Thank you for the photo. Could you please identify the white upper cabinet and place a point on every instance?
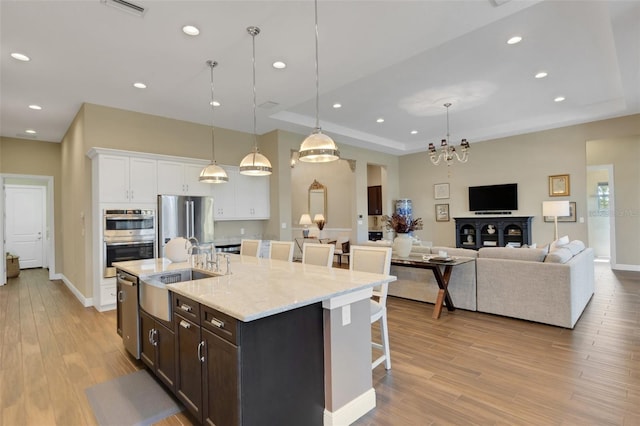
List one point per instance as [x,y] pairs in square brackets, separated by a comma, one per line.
[252,197]
[177,178]
[224,195]
[242,198]
[125,179]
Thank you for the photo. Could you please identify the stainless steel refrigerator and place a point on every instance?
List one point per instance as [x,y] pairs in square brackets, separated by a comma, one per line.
[184,216]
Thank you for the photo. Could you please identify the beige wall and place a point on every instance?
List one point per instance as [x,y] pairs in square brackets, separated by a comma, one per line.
[624,154]
[356,218]
[29,157]
[527,160]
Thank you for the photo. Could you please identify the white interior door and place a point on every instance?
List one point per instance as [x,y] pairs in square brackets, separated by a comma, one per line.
[25,223]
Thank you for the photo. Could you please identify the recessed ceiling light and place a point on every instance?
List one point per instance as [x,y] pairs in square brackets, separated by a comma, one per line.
[36,107]
[279,65]
[414,132]
[337,105]
[559,99]
[20,57]
[190,30]
[541,74]
[215,103]
[380,120]
[30,131]
[140,85]
[514,40]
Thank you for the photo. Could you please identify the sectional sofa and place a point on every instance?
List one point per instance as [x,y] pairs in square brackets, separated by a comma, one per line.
[531,284]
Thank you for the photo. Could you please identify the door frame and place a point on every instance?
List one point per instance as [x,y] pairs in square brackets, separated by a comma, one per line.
[612,209]
[47,182]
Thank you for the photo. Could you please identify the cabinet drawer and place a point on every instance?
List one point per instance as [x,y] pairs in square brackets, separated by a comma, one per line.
[188,308]
[220,324]
[108,294]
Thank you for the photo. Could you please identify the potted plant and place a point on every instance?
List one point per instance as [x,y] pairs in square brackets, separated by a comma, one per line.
[402,225]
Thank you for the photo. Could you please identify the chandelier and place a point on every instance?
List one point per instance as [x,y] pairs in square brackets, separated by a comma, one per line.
[448,152]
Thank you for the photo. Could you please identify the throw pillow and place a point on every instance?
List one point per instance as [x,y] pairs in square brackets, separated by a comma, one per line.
[560,242]
[559,255]
[576,246]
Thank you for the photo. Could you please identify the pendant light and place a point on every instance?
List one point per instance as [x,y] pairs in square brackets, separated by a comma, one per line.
[254,163]
[318,147]
[213,173]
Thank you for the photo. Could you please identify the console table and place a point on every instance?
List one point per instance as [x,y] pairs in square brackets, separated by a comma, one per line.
[442,276]
[477,232]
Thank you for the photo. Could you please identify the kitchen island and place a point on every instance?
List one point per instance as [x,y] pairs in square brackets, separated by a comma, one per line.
[298,337]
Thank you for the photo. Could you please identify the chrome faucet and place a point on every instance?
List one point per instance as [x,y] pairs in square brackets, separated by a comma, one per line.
[193,246]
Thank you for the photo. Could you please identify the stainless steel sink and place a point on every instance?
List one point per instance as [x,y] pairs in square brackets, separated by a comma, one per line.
[154,295]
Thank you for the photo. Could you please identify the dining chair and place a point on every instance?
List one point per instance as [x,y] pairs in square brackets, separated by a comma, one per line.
[250,247]
[281,250]
[376,260]
[318,254]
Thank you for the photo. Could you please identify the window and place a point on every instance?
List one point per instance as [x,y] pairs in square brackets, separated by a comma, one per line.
[603,195]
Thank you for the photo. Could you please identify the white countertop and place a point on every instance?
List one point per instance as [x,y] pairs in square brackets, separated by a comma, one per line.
[259,287]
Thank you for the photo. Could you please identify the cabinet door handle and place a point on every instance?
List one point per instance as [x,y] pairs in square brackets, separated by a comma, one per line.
[131,194]
[155,337]
[186,307]
[150,336]
[217,323]
[185,324]
[200,356]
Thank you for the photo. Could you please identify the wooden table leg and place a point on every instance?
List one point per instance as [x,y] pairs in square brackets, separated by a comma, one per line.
[443,293]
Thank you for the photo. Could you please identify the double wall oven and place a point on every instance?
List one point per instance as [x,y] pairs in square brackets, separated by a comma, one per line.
[128,235]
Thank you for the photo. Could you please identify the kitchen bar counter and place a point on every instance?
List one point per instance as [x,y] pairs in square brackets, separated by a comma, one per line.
[262,292]
[258,287]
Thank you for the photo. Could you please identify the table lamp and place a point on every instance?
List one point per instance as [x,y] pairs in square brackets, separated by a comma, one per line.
[305,220]
[555,209]
[318,219]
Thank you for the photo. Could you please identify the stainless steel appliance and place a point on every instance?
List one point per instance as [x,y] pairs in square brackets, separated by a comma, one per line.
[184,216]
[128,235]
[128,309]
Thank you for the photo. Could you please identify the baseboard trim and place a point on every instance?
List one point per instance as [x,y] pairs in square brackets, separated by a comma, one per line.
[86,302]
[352,411]
[619,267]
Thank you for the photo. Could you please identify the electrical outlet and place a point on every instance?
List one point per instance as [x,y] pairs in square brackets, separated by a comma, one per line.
[284,225]
[241,231]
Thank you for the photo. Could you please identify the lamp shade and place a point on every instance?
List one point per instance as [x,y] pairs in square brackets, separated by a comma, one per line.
[255,164]
[318,148]
[318,217]
[555,208]
[305,219]
[213,174]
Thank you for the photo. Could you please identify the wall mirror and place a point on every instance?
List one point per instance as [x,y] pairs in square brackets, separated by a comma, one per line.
[317,199]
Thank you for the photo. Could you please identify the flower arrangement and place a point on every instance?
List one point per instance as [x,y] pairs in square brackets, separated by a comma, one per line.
[401,224]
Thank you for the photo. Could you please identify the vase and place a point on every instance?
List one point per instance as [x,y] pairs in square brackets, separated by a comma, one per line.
[402,245]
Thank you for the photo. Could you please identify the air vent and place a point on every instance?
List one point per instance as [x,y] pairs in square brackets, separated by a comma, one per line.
[26,136]
[125,6]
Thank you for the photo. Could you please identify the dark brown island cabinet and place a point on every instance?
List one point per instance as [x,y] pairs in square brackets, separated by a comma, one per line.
[158,348]
[264,372]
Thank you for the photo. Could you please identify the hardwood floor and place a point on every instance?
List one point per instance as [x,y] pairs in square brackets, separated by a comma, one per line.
[465,368]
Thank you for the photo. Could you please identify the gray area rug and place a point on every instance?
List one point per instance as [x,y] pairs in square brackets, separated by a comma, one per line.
[134,399]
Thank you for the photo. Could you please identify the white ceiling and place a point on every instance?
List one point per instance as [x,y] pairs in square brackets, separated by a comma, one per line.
[400,60]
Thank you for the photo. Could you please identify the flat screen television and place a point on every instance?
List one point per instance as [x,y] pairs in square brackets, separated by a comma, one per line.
[493,197]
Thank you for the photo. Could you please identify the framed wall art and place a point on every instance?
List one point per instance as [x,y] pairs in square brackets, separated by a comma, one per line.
[441,191]
[559,186]
[442,212]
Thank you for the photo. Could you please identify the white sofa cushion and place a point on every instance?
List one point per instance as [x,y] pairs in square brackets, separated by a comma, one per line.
[526,254]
